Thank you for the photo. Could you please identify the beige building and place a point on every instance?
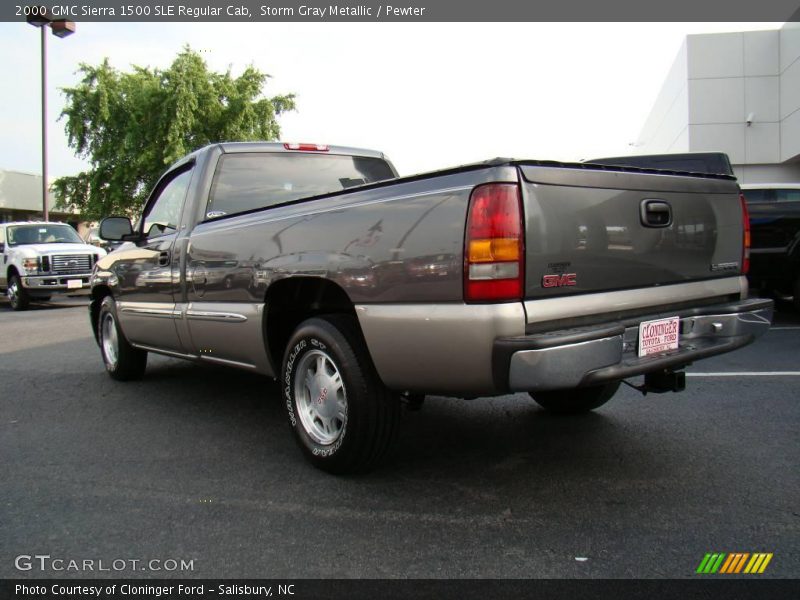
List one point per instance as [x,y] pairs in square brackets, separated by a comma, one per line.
[21,200]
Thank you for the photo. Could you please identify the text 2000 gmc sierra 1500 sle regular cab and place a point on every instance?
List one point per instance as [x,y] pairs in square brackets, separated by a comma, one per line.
[317,266]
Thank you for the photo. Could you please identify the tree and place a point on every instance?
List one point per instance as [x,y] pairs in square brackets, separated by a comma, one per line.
[132,126]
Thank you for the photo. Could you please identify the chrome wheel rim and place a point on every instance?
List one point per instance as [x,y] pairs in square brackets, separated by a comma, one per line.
[13,293]
[108,333]
[321,397]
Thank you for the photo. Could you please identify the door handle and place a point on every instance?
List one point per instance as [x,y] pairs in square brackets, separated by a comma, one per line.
[163,259]
[655,213]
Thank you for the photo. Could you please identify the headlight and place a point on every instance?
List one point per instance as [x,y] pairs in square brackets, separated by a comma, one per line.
[30,264]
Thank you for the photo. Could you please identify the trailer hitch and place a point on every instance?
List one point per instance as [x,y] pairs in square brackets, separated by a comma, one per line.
[661,382]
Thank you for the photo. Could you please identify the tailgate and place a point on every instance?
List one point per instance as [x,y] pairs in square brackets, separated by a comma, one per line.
[595,231]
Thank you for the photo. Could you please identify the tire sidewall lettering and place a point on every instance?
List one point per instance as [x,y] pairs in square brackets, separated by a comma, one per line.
[287,380]
[325,451]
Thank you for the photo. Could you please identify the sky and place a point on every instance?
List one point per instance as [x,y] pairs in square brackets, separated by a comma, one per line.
[429,95]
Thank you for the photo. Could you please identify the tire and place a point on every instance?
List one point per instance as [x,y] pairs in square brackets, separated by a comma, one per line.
[576,401]
[123,362]
[342,416]
[17,296]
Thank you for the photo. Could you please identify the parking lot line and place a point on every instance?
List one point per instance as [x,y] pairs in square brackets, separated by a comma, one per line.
[747,374]
[786,328]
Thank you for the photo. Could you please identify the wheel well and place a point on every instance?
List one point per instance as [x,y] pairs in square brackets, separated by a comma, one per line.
[98,293]
[291,301]
[11,271]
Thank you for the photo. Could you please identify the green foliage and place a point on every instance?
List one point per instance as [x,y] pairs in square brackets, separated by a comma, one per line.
[132,126]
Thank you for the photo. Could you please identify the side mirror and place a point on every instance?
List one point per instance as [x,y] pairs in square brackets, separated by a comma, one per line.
[2,247]
[116,229]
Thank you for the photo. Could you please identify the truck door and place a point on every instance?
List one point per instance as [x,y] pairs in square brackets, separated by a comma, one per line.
[149,276]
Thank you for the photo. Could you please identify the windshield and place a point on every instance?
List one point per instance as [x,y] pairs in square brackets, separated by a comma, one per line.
[43,233]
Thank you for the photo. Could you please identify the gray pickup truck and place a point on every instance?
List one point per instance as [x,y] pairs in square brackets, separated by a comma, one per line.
[358,290]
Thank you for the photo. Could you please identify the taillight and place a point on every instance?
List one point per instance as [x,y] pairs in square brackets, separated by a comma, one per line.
[307,147]
[746,236]
[494,252]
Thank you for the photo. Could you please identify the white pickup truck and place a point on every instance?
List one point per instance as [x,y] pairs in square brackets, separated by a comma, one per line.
[43,258]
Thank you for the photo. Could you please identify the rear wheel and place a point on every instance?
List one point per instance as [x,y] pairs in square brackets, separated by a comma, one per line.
[17,296]
[577,400]
[123,361]
[343,417]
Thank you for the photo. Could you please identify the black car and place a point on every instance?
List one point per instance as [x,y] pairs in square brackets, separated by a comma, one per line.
[775,237]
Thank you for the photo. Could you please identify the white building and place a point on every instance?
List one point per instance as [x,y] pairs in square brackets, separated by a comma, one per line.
[737,93]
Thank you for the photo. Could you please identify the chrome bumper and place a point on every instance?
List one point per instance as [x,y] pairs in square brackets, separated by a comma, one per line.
[593,355]
[55,283]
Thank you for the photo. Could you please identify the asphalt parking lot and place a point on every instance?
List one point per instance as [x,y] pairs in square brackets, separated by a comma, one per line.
[197,463]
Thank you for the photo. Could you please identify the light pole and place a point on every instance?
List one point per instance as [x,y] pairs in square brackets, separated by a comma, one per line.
[60,28]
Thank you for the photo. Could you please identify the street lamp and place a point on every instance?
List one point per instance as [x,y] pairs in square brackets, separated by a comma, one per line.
[60,28]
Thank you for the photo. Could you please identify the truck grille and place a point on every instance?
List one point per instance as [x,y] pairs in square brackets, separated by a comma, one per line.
[71,263]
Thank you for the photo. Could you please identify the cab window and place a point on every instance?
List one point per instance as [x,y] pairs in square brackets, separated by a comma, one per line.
[164,214]
[250,181]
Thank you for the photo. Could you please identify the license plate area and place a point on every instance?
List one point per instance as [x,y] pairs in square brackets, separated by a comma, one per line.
[74,284]
[659,336]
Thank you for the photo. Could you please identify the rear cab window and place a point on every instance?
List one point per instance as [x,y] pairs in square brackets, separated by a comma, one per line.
[249,181]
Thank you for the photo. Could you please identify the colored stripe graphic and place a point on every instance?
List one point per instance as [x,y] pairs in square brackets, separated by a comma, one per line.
[741,562]
[703,563]
[711,562]
[758,563]
[727,564]
[716,565]
[765,563]
[734,562]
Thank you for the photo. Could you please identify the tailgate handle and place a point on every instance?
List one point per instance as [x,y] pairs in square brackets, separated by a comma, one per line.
[655,213]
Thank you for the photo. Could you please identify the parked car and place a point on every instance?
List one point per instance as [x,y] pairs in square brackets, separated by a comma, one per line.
[41,259]
[775,237]
[359,288]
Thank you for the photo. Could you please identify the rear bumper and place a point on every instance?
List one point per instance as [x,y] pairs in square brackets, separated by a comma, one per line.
[607,352]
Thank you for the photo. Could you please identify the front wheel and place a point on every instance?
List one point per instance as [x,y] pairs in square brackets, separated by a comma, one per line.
[17,295]
[123,361]
[577,400]
[341,414]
